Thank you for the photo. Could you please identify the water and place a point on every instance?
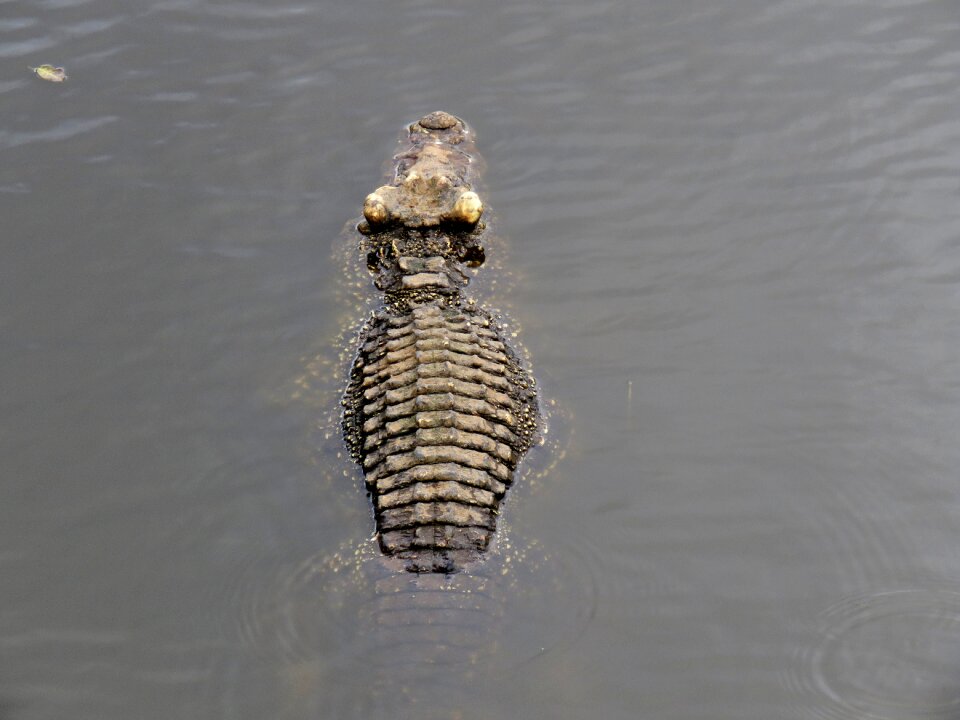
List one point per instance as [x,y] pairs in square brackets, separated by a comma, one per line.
[730,249]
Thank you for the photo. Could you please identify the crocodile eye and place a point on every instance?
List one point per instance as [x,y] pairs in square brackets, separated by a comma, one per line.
[374,209]
[467,209]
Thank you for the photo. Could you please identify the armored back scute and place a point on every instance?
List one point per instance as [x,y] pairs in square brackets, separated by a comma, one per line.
[439,409]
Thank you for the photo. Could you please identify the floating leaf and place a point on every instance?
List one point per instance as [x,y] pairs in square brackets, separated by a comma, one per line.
[50,73]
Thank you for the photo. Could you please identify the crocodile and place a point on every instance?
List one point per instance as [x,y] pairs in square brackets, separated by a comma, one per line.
[439,408]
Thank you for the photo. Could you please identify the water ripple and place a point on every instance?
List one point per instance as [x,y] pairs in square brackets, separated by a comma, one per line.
[64,131]
[25,47]
[887,655]
[60,4]
[17,24]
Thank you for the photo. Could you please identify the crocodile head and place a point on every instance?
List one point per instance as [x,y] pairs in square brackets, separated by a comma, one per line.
[432,184]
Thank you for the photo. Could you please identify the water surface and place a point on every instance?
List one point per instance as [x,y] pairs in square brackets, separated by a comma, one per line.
[729,244]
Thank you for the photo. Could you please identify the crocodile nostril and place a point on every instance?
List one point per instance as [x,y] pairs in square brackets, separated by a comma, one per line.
[438,121]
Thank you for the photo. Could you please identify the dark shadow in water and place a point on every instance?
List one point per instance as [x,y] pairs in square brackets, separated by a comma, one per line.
[8,707]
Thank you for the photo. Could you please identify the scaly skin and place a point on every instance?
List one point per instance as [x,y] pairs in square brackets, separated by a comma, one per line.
[439,409]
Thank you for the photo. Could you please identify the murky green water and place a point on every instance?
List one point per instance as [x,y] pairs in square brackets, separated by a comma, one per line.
[730,247]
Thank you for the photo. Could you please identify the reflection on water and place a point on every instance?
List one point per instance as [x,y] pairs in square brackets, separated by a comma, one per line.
[728,240]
